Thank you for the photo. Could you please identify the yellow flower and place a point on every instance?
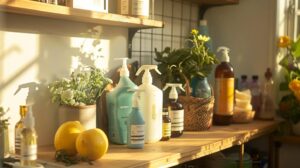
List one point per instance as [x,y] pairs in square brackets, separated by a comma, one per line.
[284,41]
[294,85]
[203,38]
[194,32]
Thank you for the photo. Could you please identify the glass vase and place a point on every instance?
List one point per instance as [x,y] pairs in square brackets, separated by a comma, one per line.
[200,87]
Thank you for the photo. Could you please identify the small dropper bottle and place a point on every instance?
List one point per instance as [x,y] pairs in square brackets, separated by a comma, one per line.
[18,128]
[28,141]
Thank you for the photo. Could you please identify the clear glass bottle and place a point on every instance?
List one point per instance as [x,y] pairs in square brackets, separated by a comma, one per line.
[28,141]
[166,127]
[18,128]
[268,106]
[256,95]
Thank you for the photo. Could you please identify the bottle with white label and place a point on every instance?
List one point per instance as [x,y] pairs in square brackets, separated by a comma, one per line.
[175,110]
[28,141]
[224,90]
[18,128]
[136,124]
[150,104]
[140,8]
[119,102]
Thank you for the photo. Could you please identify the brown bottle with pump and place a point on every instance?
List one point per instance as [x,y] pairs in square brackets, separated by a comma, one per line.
[224,90]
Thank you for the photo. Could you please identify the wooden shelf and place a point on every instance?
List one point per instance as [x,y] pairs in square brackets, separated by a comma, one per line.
[216,2]
[39,9]
[190,146]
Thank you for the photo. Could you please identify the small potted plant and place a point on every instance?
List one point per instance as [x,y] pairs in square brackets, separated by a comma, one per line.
[194,64]
[77,96]
[289,106]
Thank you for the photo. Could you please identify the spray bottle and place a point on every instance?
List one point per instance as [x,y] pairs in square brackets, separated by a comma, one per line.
[175,110]
[136,124]
[119,106]
[224,90]
[151,105]
[28,141]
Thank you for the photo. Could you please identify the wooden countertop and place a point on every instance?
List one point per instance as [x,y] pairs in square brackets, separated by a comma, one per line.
[191,145]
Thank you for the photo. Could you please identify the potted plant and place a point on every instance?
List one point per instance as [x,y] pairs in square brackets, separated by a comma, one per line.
[77,96]
[187,64]
[194,64]
[289,105]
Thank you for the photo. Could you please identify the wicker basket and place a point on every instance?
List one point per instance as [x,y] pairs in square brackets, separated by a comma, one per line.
[198,112]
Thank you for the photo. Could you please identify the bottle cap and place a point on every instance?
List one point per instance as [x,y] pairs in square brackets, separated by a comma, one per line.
[268,73]
[244,77]
[254,77]
[29,119]
[124,70]
[225,55]
[147,78]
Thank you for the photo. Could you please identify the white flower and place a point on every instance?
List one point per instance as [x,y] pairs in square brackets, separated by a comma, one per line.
[67,95]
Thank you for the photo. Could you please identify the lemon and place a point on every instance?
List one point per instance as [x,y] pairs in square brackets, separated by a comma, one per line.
[65,136]
[92,144]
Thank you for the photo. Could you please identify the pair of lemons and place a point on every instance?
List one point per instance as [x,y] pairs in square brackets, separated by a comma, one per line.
[73,138]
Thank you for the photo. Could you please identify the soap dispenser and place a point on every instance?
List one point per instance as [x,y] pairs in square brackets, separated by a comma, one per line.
[151,105]
[136,124]
[224,90]
[28,141]
[176,110]
[119,105]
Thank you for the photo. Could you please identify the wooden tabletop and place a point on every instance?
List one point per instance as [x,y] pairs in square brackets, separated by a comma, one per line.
[191,145]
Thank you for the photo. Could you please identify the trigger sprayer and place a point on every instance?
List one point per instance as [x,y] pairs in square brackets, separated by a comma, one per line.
[225,53]
[147,78]
[32,88]
[124,70]
[173,93]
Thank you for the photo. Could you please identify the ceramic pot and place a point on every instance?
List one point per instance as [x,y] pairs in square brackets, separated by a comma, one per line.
[86,115]
[200,87]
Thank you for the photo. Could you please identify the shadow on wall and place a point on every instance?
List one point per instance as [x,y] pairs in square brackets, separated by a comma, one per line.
[53,60]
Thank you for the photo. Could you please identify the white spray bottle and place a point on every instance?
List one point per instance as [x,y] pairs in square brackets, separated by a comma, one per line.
[151,105]
[176,110]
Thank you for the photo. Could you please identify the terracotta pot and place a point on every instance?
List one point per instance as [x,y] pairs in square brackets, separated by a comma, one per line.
[86,115]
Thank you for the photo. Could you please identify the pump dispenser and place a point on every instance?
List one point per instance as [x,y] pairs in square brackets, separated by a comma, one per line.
[176,110]
[151,105]
[136,124]
[28,141]
[119,105]
[224,90]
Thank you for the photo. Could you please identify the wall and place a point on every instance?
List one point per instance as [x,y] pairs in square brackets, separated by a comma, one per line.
[35,49]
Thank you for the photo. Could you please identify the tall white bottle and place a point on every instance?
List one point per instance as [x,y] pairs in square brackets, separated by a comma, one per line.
[151,105]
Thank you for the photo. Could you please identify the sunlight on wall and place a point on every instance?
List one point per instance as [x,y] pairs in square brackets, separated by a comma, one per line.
[97,52]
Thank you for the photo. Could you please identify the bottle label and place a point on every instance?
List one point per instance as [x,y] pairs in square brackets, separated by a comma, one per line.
[166,129]
[224,99]
[177,120]
[29,152]
[140,7]
[18,140]
[137,134]
[124,5]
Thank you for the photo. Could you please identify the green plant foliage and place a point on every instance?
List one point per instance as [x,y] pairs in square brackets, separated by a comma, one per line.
[3,120]
[180,65]
[84,87]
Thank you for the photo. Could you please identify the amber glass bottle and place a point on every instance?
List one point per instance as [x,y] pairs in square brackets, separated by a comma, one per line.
[224,91]
[166,127]
[176,112]
[18,128]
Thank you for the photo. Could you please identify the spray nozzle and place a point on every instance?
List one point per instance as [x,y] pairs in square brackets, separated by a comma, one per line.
[32,88]
[124,70]
[173,93]
[147,76]
[29,119]
[135,96]
[225,53]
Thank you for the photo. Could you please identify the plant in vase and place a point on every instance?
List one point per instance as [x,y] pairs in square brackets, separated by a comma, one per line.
[190,66]
[289,105]
[193,64]
[79,92]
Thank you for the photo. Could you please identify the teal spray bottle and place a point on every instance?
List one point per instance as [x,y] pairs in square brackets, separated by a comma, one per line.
[119,106]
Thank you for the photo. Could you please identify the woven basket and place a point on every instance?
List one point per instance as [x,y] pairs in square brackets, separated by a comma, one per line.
[198,112]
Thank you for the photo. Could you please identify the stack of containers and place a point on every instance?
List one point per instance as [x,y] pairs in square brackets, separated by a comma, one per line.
[243,109]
